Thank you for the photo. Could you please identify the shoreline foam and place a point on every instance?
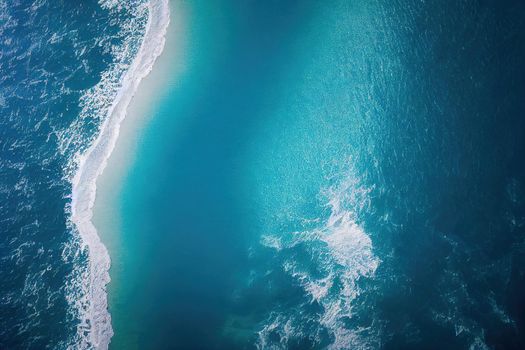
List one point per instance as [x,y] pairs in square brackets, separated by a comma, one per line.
[92,163]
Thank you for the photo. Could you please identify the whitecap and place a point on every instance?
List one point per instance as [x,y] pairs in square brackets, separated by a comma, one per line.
[342,253]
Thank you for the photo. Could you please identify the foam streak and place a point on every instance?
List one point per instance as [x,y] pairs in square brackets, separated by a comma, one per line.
[92,163]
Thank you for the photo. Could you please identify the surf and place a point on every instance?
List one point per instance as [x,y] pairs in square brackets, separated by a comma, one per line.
[95,328]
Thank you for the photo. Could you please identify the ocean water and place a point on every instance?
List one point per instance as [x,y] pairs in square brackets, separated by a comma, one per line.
[324,175]
[65,70]
[342,175]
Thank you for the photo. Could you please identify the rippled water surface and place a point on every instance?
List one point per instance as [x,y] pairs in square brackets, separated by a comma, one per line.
[324,175]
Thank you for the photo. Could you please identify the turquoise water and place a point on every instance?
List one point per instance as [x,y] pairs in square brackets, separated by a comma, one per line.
[344,174]
[318,177]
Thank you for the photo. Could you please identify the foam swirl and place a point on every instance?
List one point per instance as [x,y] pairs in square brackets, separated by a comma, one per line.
[340,253]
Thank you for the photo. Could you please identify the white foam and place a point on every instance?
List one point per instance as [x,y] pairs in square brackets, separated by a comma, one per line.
[95,330]
[342,253]
[281,326]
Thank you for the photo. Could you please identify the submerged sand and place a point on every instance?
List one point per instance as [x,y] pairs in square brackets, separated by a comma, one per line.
[153,88]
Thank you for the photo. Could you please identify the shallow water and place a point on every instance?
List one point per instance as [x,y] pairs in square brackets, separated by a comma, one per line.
[325,175]
[321,175]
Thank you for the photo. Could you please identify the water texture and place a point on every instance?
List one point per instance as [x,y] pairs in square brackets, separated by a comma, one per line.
[323,175]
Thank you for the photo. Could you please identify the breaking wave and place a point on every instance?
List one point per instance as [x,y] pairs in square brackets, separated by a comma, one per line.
[110,99]
[340,253]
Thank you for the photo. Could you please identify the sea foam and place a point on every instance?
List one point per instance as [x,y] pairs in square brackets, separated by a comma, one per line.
[342,254]
[95,329]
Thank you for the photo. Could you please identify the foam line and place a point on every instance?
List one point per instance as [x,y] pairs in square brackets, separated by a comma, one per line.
[92,163]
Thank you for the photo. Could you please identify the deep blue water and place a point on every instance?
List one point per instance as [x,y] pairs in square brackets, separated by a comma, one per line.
[54,56]
[345,174]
